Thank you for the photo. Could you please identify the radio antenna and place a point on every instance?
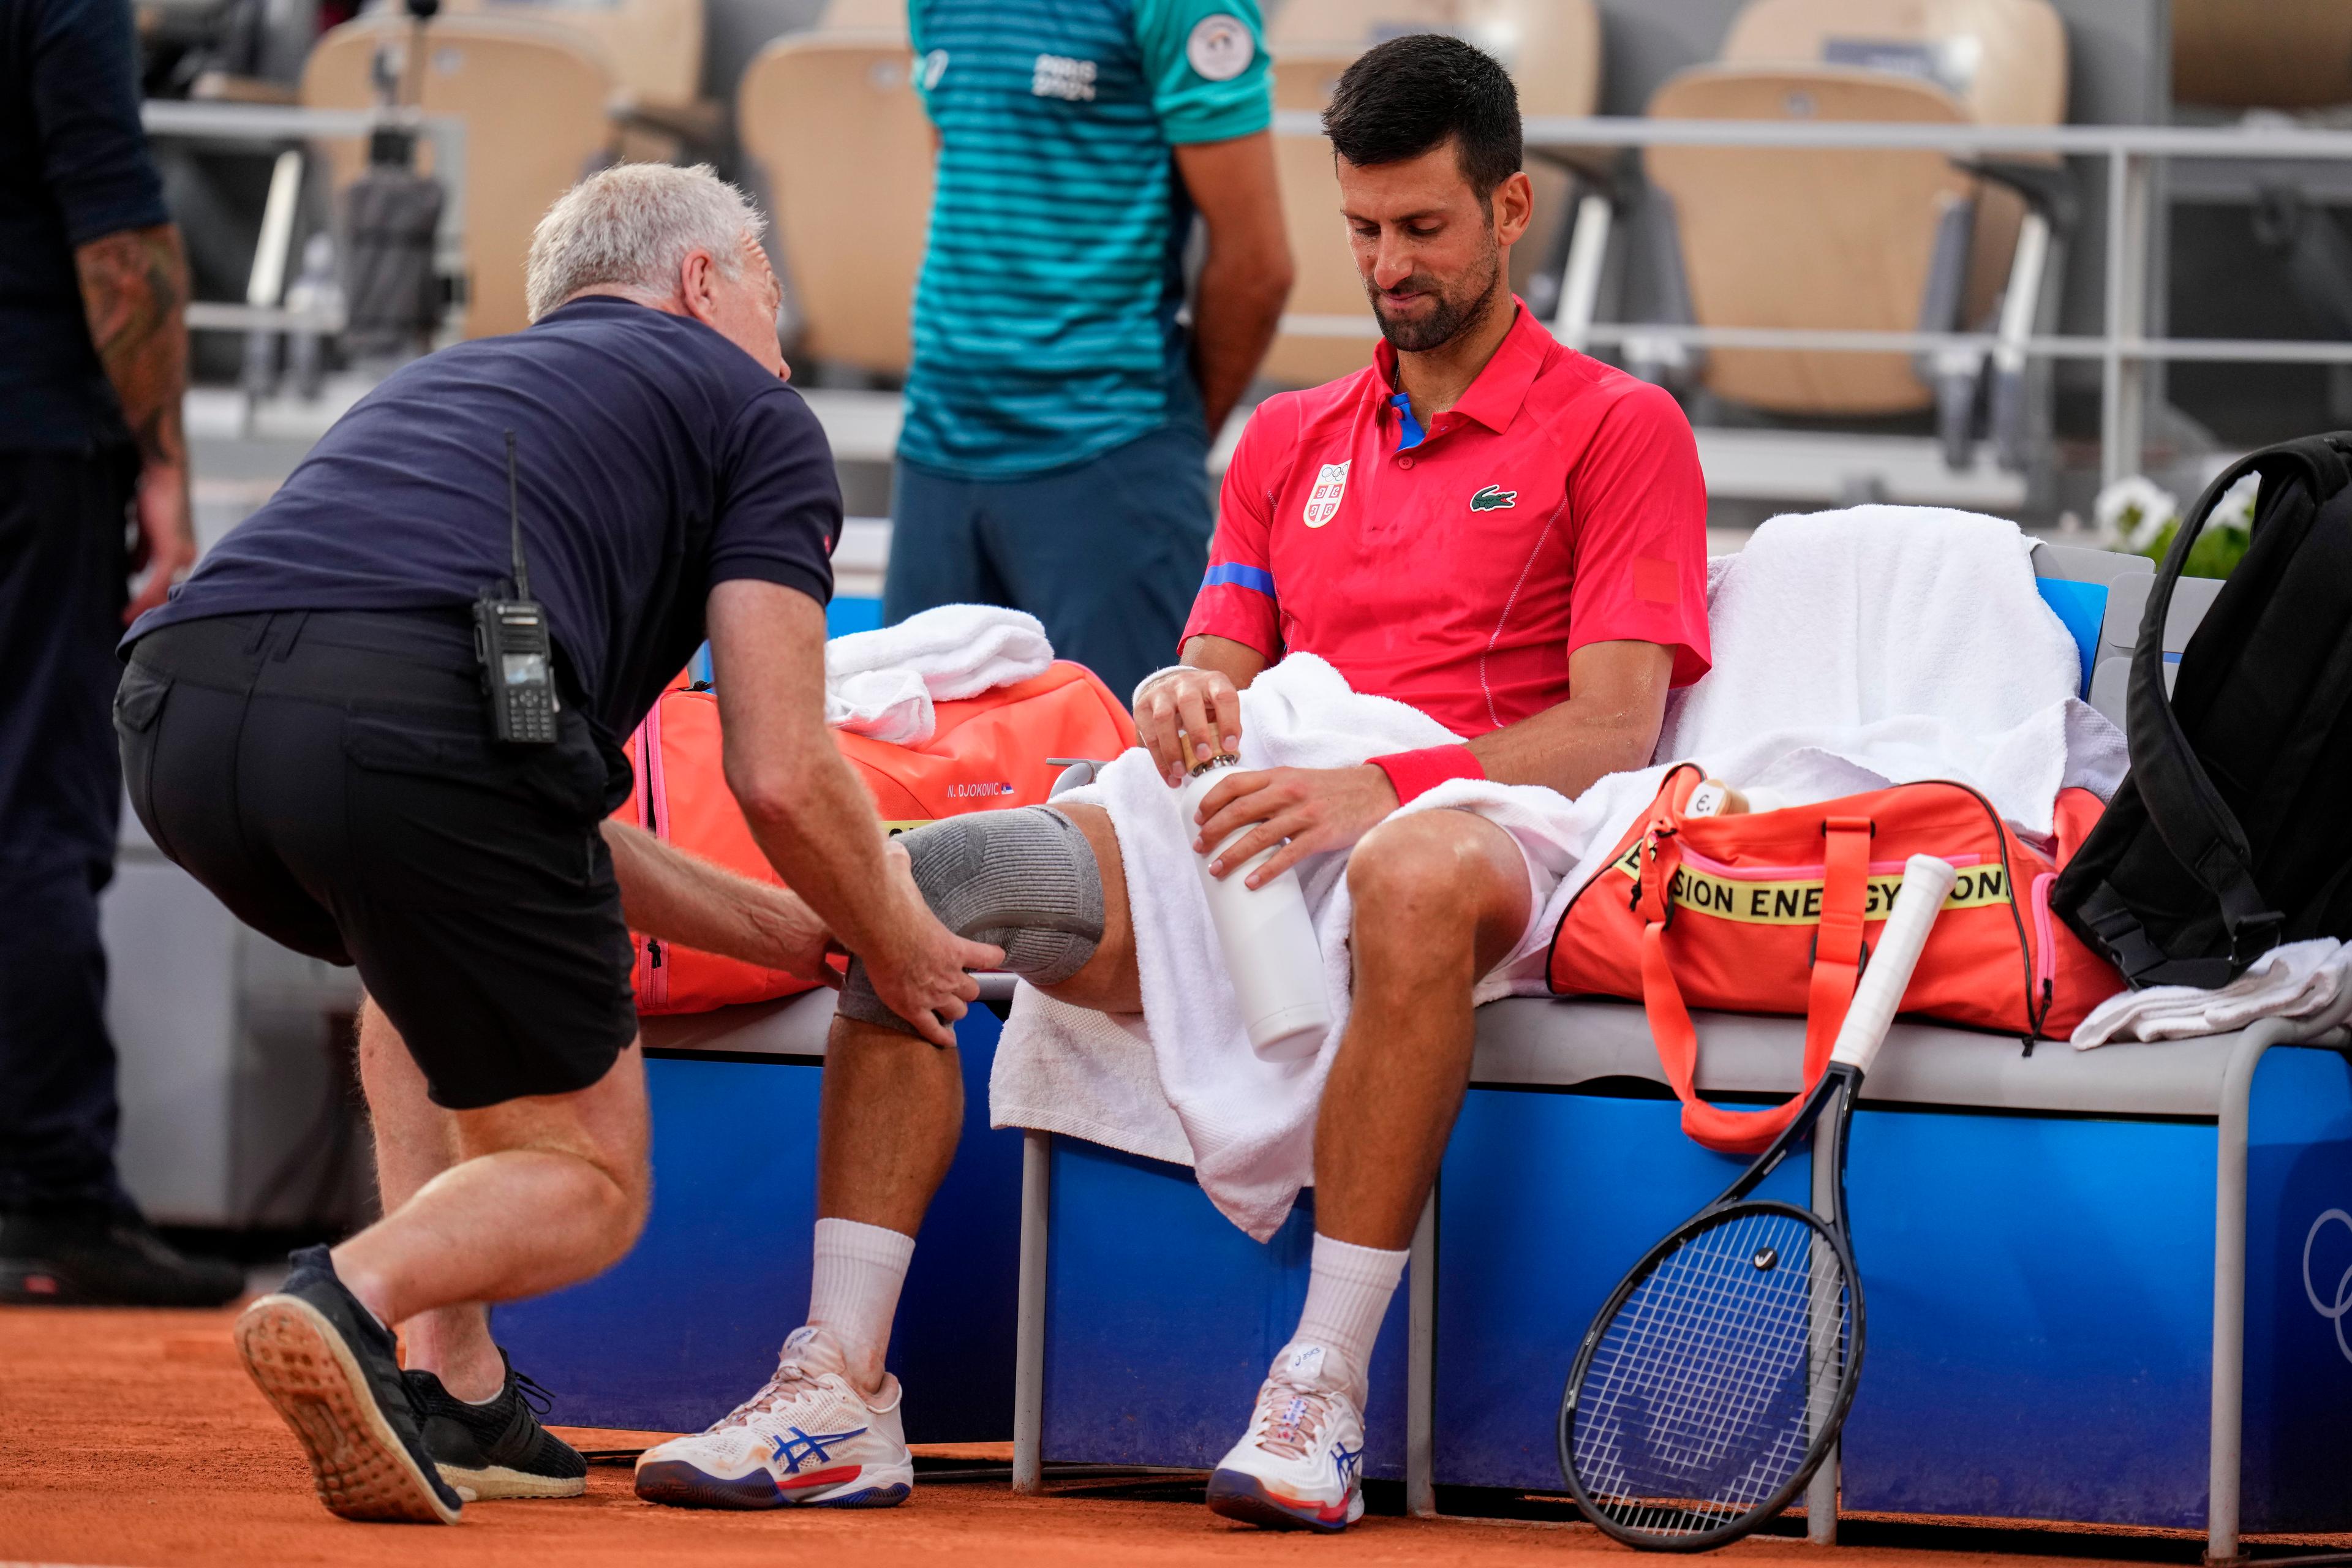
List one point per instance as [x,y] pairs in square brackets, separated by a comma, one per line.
[514,521]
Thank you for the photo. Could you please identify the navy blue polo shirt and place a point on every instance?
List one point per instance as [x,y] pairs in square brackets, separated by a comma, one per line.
[657,458]
[73,168]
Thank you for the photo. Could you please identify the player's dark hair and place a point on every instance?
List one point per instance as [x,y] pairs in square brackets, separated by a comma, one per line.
[1404,98]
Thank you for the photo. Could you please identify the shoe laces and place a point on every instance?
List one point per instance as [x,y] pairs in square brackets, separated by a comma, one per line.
[1295,1418]
[532,1393]
[790,1381]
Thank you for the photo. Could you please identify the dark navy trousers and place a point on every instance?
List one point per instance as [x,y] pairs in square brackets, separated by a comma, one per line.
[1107,554]
[63,561]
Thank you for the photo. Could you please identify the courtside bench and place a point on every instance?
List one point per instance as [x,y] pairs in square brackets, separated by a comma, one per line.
[688,1324]
[2102,1286]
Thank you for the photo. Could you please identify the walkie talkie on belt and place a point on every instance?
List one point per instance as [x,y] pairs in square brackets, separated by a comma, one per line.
[511,638]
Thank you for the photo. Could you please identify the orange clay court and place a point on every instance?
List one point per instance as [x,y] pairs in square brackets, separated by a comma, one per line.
[134,1438]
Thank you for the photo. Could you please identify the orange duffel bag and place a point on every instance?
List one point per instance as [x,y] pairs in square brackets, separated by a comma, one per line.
[1772,912]
[988,751]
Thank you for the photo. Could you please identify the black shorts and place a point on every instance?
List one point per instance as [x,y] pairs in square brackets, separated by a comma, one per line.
[331,776]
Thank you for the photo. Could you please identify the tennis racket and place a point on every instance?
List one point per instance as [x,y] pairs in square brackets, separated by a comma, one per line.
[1712,1382]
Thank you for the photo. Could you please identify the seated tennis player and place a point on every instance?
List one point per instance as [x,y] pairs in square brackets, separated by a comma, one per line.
[1484,524]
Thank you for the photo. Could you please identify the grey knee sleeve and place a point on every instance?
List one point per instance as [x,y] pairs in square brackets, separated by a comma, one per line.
[1025,880]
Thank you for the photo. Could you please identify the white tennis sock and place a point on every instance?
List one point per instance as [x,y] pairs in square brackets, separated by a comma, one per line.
[853,1292]
[1347,1296]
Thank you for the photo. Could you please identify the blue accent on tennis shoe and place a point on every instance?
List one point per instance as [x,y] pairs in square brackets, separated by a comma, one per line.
[870,1497]
[1256,579]
[1237,1494]
[1349,1462]
[799,1448]
[677,1484]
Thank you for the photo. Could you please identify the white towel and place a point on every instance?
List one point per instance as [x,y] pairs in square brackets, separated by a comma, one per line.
[883,683]
[1909,642]
[1819,630]
[1181,1082]
[2310,980]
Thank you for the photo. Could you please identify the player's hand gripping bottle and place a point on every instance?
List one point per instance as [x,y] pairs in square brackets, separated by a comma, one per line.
[1268,938]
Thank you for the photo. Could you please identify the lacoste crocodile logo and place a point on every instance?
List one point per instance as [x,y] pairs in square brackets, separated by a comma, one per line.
[1493,498]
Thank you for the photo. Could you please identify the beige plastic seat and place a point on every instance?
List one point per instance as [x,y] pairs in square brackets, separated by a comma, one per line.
[1552,47]
[534,101]
[653,47]
[1553,50]
[864,17]
[2262,54]
[653,50]
[1848,239]
[834,123]
[1324,280]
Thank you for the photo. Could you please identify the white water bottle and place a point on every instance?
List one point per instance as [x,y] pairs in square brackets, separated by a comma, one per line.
[1267,937]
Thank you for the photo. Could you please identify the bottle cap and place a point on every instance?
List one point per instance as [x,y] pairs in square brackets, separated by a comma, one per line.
[1222,760]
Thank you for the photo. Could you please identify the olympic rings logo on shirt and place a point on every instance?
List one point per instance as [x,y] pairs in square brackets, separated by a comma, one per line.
[2333,1311]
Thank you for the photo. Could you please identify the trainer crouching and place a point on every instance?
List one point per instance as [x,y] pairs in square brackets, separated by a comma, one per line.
[382,722]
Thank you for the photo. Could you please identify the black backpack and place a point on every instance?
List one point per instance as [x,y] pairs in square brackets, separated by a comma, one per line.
[2232,832]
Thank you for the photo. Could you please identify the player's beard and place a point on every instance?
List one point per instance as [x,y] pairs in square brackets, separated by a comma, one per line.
[1458,309]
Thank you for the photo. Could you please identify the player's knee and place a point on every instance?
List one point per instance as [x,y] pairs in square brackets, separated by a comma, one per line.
[1026,881]
[1420,875]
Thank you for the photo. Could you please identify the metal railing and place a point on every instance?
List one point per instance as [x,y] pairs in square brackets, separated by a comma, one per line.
[291,127]
[2123,348]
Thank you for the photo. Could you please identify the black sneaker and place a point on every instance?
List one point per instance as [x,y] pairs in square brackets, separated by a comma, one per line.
[498,1449]
[98,1256]
[332,1372]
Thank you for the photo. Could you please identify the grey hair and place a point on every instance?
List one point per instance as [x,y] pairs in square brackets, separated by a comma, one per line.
[627,229]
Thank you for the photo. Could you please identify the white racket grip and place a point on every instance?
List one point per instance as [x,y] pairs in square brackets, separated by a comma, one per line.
[1927,883]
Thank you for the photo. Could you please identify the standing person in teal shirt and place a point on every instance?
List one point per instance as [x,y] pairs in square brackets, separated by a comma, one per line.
[1063,395]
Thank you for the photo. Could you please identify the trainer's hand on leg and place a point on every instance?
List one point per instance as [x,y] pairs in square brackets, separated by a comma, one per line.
[924,978]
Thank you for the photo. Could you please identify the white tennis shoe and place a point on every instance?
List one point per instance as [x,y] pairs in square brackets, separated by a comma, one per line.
[807,1440]
[1301,1464]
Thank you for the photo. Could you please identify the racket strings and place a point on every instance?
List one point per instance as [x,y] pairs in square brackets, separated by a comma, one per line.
[1702,1398]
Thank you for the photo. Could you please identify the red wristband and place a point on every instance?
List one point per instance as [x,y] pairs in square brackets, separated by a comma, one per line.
[1417,773]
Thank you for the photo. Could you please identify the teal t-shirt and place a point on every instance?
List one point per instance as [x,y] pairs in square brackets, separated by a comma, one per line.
[1045,316]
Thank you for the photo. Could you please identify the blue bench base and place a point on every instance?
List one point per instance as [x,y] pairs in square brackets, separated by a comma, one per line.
[688,1325]
[2041,1290]
[1161,1318]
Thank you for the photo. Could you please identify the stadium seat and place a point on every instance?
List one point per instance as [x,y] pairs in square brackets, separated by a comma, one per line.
[1325,283]
[1552,49]
[654,49]
[800,99]
[1866,239]
[534,101]
[2282,54]
[864,17]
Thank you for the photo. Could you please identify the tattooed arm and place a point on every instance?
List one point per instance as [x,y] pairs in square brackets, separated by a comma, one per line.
[134,289]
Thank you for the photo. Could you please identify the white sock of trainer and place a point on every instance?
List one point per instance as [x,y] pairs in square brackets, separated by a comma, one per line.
[1348,1294]
[853,1292]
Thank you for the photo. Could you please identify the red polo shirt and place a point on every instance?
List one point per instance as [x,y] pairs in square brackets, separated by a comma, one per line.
[1559,503]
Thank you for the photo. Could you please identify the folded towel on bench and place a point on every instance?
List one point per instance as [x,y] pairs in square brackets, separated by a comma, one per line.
[1888,644]
[2305,980]
[883,683]
[1826,632]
